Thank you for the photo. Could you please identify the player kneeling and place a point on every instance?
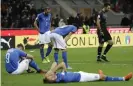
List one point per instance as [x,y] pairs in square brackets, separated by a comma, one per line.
[17,61]
[52,77]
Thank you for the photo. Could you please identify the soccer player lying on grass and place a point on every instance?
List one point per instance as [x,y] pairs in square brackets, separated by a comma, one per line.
[17,61]
[64,77]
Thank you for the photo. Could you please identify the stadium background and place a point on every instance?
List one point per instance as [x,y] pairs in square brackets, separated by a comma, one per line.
[17,17]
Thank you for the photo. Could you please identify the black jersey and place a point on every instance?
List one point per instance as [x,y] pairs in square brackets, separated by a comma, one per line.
[105,36]
[101,16]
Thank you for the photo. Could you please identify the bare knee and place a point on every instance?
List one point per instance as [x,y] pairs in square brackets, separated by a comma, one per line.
[101,44]
[110,42]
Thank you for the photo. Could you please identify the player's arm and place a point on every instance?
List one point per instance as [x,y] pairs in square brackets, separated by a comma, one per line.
[35,23]
[98,22]
[68,36]
[54,68]
[24,55]
[29,56]
[51,27]
[59,66]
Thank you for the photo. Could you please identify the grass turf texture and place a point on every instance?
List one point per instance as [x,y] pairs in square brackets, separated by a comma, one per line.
[83,59]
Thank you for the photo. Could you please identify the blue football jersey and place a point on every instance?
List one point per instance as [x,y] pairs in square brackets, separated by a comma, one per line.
[65,30]
[44,22]
[68,77]
[12,58]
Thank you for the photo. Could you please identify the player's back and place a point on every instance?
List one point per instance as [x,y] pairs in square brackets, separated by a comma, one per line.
[65,30]
[44,22]
[68,77]
[11,59]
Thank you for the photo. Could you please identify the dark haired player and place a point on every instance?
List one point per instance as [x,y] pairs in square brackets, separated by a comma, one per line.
[102,32]
[43,24]
[65,77]
[17,61]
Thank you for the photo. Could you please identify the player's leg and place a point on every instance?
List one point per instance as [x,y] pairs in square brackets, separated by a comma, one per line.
[62,46]
[49,49]
[59,43]
[100,47]
[41,42]
[110,78]
[33,64]
[56,50]
[56,55]
[99,51]
[42,51]
[108,47]
[50,45]
[125,78]
[64,56]
[22,66]
[85,77]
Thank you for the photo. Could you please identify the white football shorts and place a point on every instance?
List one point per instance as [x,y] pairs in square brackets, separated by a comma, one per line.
[22,66]
[44,38]
[85,77]
[58,41]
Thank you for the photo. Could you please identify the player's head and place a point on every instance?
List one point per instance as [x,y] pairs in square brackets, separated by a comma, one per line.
[48,81]
[47,10]
[20,46]
[107,7]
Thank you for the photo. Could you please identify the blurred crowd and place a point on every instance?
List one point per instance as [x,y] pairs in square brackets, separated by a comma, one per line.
[17,13]
[125,6]
[79,19]
[22,13]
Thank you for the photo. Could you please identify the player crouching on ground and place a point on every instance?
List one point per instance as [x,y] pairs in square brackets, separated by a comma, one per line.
[17,61]
[64,77]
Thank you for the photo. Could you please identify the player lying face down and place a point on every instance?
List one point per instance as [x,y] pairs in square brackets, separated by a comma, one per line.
[17,61]
[64,77]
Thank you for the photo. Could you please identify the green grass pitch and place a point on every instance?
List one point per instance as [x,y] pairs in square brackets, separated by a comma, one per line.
[80,59]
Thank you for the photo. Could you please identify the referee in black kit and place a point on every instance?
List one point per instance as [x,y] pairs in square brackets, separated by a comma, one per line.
[102,32]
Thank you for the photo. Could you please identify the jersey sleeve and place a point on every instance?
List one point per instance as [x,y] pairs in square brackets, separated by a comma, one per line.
[22,53]
[74,30]
[38,17]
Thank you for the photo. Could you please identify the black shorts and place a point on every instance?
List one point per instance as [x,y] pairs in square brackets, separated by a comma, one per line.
[105,37]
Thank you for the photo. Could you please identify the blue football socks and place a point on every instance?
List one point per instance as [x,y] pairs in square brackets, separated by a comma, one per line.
[108,78]
[34,65]
[42,53]
[48,50]
[56,57]
[64,56]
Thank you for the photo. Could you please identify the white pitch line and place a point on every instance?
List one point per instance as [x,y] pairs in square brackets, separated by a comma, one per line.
[102,64]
